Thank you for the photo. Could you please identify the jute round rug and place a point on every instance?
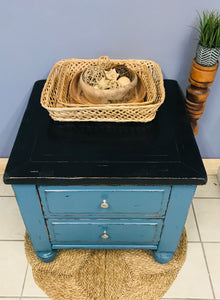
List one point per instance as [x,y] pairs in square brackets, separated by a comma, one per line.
[105,274]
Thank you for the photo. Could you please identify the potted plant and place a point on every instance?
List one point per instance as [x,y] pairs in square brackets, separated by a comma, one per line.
[204,66]
[208,49]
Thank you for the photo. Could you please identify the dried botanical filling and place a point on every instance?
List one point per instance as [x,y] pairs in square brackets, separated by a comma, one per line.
[102,79]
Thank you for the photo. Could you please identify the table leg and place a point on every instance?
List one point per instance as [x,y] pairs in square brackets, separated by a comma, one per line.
[163,257]
[30,208]
[180,199]
[46,257]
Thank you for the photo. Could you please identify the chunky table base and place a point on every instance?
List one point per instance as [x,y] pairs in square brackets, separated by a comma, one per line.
[195,104]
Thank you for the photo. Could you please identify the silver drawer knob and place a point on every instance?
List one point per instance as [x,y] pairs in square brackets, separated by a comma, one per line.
[105,235]
[104,204]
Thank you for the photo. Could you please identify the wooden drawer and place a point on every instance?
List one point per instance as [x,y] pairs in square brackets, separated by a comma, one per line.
[65,201]
[90,232]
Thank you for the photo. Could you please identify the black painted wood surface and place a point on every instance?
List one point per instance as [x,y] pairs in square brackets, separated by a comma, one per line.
[163,151]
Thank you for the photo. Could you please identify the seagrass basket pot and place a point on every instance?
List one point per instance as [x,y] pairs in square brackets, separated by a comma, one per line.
[55,93]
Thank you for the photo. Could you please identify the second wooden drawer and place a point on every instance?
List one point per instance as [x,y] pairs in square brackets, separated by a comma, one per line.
[104,232]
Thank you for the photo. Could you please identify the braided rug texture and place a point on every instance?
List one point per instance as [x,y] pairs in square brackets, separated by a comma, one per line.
[105,274]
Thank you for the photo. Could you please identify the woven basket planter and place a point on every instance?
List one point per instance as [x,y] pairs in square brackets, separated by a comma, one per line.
[54,96]
[207,57]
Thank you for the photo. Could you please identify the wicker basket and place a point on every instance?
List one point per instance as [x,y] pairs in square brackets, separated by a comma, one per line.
[55,99]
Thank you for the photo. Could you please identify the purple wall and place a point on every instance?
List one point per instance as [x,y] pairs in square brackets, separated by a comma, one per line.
[36,34]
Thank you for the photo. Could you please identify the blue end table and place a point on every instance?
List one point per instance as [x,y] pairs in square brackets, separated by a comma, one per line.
[105,185]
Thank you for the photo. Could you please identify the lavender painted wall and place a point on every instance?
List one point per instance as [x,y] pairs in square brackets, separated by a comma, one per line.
[36,34]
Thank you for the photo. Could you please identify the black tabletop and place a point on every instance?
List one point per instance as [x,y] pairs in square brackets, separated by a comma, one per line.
[163,151]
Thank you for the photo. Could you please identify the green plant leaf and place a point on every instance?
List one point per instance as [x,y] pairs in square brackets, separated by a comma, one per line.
[209,29]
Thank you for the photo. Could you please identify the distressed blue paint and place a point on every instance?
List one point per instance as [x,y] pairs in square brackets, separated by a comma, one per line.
[93,246]
[124,229]
[163,257]
[65,200]
[47,256]
[31,212]
[180,199]
[132,231]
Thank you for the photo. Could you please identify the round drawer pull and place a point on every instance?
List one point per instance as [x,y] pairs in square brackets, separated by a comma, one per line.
[105,235]
[104,204]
